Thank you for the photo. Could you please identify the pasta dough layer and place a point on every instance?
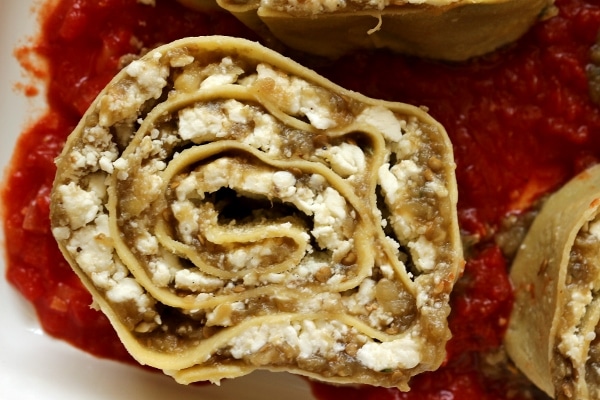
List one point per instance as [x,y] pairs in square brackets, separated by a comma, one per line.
[553,335]
[443,29]
[230,210]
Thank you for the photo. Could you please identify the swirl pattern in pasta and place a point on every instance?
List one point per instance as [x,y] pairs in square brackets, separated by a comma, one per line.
[231,210]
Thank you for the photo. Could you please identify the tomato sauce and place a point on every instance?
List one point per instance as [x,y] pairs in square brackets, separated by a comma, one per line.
[521,122]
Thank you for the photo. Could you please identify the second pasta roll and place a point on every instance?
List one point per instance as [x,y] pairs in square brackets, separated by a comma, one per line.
[453,30]
[553,334]
[231,210]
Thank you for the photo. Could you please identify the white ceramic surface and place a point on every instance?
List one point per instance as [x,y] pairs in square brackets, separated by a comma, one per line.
[34,366]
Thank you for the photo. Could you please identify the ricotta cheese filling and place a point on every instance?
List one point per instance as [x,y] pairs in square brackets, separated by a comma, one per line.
[230,210]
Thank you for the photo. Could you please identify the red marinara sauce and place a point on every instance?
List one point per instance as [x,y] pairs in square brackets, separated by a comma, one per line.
[521,122]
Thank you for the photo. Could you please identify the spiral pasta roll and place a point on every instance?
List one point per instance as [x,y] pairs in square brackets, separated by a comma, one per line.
[230,210]
[553,335]
[443,29]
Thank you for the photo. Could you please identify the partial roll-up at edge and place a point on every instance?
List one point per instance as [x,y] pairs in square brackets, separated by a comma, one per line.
[443,29]
[230,210]
[554,331]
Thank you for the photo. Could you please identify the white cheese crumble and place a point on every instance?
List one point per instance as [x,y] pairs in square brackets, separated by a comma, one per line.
[301,98]
[238,112]
[188,218]
[266,135]
[162,272]
[146,243]
[384,120]
[330,211]
[202,123]
[81,206]
[285,183]
[308,338]
[320,337]
[399,353]
[325,301]
[121,102]
[248,257]
[150,76]
[406,170]
[254,338]
[346,159]
[93,251]
[196,281]
[61,232]
[357,302]
[125,290]
[438,188]
[225,73]
[389,183]
[424,255]
[571,341]
[90,247]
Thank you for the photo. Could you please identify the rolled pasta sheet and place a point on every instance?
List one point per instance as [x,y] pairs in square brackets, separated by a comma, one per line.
[443,29]
[553,334]
[230,210]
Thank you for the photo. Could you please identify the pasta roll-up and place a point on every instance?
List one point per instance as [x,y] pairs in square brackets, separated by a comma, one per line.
[231,210]
[443,29]
[553,334]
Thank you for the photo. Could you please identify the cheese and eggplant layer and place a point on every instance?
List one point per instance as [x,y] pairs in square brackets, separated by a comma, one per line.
[554,332]
[231,210]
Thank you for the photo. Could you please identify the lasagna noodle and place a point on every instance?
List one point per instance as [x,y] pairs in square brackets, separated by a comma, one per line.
[443,29]
[553,332]
[230,210]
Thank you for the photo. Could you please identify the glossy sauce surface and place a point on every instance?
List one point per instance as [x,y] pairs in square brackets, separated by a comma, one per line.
[521,122]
